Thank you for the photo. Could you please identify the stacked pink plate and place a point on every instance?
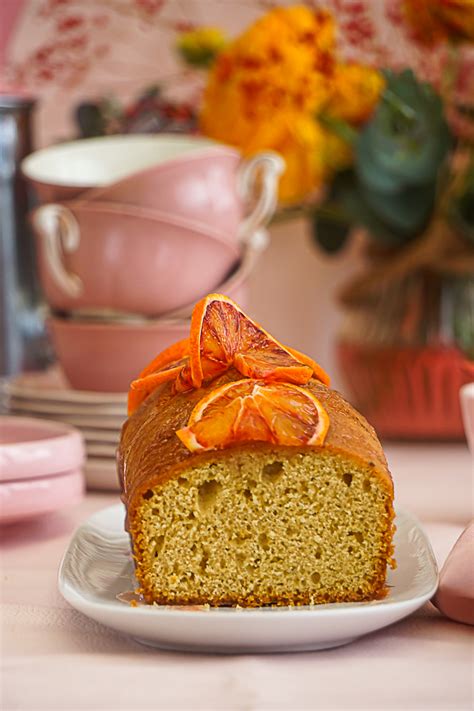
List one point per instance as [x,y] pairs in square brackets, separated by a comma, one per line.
[40,467]
[96,417]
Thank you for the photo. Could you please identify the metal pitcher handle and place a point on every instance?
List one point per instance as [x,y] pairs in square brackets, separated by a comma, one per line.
[268,166]
[60,233]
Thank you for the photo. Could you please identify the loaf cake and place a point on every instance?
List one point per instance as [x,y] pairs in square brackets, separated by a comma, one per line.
[247,480]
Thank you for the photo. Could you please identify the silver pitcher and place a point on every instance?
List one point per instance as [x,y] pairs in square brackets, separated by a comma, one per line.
[23,344]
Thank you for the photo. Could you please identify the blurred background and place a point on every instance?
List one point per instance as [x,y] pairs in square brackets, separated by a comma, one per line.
[69,51]
[141,168]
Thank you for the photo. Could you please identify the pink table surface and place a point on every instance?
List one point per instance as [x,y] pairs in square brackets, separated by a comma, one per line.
[55,658]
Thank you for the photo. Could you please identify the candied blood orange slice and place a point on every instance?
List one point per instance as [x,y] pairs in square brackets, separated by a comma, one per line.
[222,335]
[255,410]
[274,365]
[166,366]
[169,355]
[318,372]
[214,337]
[141,388]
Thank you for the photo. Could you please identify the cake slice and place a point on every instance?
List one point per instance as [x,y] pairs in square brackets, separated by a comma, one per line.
[236,514]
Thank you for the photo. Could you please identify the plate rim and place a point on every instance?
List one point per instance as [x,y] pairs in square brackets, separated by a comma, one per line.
[67,408]
[71,595]
[78,421]
[12,388]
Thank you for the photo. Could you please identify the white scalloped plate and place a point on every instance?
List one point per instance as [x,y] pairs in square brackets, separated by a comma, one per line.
[97,567]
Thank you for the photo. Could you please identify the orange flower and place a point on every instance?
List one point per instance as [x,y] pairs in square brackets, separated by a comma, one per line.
[435,21]
[266,86]
[355,92]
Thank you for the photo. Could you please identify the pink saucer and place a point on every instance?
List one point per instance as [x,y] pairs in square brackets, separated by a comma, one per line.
[31,448]
[26,499]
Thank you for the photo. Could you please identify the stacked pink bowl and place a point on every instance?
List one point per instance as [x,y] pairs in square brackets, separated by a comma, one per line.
[131,232]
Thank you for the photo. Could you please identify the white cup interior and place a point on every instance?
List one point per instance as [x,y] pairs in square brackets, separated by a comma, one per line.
[96,162]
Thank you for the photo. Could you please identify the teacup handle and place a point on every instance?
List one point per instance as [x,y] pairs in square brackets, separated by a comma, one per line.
[60,233]
[269,166]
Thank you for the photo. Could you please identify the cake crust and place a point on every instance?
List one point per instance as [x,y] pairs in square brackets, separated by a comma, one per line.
[150,453]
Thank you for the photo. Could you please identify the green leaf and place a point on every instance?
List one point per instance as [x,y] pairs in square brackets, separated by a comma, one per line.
[338,126]
[406,212]
[350,195]
[199,55]
[366,217]
[407,139]
[90,120]
[373,175]
[331,235]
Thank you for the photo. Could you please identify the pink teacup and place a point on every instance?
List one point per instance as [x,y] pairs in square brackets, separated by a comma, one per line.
[236,284]
[186,176]
[106,357]
[97,255]
[76,166]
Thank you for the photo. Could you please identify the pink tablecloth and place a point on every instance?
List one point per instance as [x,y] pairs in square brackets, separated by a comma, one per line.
[54,658]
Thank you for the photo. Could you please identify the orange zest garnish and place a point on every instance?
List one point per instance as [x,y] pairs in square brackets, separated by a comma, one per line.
[255,410]
[222,336]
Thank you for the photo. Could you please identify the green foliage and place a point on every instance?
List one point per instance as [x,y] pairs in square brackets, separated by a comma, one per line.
[349,201]
[90,120]
[462,207]
[199,48]
[198,57]
[408,138]
[330,233]
[406,212]
[391,190]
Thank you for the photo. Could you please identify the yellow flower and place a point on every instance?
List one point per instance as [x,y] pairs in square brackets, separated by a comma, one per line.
[435,21]
[201,46]
[355,92]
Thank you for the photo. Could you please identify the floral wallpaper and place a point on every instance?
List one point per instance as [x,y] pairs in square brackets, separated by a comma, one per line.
[66,51]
